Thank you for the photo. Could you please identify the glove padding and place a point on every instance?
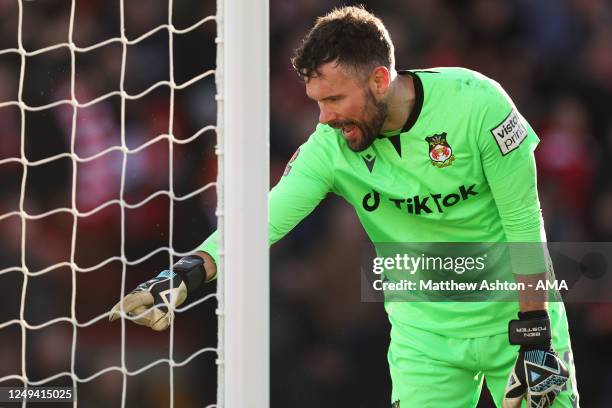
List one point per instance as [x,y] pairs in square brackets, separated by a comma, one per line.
[153,302]
[539,375]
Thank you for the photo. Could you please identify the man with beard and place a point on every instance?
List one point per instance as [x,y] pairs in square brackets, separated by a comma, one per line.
[423,156]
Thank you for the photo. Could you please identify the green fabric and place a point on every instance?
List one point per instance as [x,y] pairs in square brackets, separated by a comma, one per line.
[433,371]
[481,193]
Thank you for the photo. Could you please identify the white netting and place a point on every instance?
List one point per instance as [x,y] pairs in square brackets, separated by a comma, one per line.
[71,114]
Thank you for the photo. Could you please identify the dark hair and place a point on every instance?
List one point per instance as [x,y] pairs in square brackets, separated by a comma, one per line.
[352,36]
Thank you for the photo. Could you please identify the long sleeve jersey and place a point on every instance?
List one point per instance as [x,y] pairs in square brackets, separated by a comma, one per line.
[461,169]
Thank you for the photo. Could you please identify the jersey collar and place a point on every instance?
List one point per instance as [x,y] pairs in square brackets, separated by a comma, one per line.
[418,104]
[418,100]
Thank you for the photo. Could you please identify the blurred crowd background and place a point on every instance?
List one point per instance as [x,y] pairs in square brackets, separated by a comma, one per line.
[554,57]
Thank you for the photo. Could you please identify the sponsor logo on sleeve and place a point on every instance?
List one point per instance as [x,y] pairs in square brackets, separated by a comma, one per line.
[288,166]
[510,133]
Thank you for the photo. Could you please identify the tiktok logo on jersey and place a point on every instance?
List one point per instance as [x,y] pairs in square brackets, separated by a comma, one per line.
[371,201]
[418,205]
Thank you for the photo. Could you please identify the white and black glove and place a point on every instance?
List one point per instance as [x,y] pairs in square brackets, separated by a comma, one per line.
[539,375]
[154,301]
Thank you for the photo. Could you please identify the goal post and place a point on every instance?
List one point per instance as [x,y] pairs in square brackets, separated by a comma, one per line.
[242,188]
[99,139]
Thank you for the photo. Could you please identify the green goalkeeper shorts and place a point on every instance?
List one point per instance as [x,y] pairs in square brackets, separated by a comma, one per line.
[433,371]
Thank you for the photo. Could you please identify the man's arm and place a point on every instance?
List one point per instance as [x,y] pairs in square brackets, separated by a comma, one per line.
[515,192]
[210,268]
[506,143]
[307,180]
[531,299]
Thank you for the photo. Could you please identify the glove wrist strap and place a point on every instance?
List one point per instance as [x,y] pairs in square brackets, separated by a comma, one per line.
[531,329]
[191,271]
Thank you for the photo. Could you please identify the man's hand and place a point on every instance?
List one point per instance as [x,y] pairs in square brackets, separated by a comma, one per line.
[153,302]
[539,375]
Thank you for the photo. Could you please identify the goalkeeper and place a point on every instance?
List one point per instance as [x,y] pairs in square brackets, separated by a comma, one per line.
[423,156]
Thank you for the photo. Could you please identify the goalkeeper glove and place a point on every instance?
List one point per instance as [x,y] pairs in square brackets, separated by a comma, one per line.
[539,375]
[154,301]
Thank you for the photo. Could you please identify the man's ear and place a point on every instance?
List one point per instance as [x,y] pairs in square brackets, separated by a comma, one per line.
[380,80]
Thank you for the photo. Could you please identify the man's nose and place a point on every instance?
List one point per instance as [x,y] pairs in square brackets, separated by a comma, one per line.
[326,116]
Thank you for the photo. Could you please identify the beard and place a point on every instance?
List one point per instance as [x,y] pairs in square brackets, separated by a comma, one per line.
[377,112]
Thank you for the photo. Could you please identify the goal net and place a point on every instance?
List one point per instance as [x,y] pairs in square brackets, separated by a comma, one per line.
[119,153]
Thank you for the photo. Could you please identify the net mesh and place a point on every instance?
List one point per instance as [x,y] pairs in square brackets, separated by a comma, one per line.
[94,165]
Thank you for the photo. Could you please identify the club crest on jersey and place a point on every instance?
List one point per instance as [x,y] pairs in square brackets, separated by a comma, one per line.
[440,152]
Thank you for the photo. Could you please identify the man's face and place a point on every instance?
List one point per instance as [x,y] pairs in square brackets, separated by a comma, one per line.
[346,102]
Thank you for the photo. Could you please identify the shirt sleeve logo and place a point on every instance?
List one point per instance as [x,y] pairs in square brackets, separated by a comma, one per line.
[440,152]
[510,133]
[291,160]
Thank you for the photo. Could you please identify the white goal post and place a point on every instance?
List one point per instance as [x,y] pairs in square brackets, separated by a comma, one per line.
[242,100]
[242,188]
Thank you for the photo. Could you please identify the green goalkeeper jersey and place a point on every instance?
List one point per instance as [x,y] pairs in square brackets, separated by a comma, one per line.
[460,170]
